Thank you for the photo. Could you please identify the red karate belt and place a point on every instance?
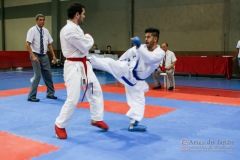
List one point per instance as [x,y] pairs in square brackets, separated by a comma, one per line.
[83,60]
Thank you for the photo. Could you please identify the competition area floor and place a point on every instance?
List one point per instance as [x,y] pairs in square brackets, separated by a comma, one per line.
[199,120]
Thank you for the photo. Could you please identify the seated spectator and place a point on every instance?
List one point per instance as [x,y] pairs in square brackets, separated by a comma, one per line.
[95,49]
[109,50]
[237,55]
[167,65]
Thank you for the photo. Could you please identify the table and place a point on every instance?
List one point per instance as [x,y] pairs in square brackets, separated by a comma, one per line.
[113,56]
[204,65]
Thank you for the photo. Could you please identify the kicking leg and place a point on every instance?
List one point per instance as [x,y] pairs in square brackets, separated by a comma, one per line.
[119,69]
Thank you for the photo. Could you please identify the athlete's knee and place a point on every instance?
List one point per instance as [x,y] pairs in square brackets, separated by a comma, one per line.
[97,93]
[71,102]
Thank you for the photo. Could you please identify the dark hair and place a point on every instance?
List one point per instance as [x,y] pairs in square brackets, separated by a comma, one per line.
[109,46]
[155,32]
[73,9]
[39,15]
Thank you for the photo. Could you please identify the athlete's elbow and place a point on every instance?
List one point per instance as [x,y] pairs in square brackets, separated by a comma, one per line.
[84,50]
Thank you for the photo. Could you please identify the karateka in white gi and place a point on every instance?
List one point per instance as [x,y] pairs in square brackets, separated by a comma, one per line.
[131,69]
[78,72]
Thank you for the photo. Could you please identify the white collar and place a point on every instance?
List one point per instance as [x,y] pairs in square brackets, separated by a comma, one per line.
[71,22]
[39,27]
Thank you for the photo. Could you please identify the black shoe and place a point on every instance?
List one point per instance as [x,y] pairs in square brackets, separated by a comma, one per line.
[52,97]
[170,88]
[157,87]
[34,99]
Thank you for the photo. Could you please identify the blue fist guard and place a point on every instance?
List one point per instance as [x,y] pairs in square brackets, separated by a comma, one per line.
[136,41]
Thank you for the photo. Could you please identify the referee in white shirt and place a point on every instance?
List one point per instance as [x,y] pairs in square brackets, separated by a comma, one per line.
[37,42]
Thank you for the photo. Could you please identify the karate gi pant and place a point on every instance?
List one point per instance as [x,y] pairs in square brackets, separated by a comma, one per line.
[135,94]
[73,75]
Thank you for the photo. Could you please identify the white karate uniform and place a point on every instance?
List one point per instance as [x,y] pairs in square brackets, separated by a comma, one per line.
[132,68]
[76,44]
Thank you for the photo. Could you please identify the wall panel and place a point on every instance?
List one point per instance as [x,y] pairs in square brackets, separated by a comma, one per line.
[12,3]
[16,32]
[186,28]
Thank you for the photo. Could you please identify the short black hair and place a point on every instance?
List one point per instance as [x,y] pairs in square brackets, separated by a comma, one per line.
[39,15]
[109,46]
[155,32]
[73,9]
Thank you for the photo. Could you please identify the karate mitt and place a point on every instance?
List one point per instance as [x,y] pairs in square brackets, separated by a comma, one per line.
[136,41]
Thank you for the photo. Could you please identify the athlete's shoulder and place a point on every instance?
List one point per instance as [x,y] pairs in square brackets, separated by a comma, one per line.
[68,28]
[159,50]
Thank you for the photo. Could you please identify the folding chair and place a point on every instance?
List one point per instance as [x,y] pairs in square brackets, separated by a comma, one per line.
[166,81]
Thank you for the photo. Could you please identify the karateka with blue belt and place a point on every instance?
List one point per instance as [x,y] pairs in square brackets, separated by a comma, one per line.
[131,69]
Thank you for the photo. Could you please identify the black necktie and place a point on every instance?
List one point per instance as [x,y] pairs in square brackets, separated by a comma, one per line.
[41,42]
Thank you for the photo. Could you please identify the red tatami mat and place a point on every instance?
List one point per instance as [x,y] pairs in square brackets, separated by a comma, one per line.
[14,147]
[122,108]
[14,92]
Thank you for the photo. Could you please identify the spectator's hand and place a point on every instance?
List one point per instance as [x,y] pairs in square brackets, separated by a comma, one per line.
[136,41]
[233,58]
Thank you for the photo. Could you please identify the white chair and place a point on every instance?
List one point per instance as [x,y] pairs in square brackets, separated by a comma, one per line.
[166,81]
